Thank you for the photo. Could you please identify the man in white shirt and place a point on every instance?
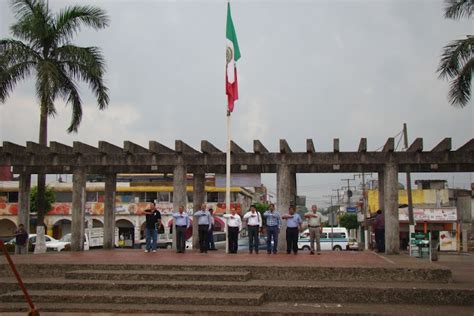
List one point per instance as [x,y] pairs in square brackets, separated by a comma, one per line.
[234,226]
[254,223]
[315,228]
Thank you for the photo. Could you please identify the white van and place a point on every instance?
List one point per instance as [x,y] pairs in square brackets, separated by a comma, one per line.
[335,240]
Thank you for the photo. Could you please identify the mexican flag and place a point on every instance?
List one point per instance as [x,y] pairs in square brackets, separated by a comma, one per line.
[232,55]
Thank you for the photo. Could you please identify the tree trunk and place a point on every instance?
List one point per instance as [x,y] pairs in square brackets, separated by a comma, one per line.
[40,198]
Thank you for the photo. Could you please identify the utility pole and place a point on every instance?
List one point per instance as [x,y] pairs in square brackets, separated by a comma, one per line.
[364,209]
[411,218]
[337,190]
[349,193]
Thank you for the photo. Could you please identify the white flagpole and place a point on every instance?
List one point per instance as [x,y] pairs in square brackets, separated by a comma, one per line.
[227,179]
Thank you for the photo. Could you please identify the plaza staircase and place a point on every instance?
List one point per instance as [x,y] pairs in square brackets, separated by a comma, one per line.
[234,290]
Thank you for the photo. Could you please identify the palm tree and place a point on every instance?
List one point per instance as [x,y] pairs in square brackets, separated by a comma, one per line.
[43,48]
[457,60]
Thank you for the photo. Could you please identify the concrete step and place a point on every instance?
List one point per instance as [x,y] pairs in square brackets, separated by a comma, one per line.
[327,291]
[267,308]
[147,275]
[134,297]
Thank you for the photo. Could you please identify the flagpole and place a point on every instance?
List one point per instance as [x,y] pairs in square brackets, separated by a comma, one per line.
[227,178]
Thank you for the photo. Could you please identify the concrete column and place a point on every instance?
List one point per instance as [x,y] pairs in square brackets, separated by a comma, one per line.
[381,190]
[392,225]
[78,209]
[24,201]
[179,192]
[284,195]
[199,197]
[109,210]
[293,189]
[463,204]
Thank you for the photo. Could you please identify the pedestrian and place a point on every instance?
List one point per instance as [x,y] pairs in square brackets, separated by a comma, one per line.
[254,223]
[21,241]
[204,225]
[153,220]
[379,228]
[315,228]
[181,222]
[273,223]
[293,226]
[210,235]
[234,226]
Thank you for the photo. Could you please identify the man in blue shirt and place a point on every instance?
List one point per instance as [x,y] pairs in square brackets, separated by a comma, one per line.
[181,222]
[273,222]
[293,226]
[204,225]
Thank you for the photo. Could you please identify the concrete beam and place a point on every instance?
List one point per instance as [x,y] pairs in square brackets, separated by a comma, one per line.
[258,147]
[469,146]
[158,148]
[362,145]
[181,147]
[78,209]
[284,147]
[24,200]
[81,148]
[109,210]
[108,148]
[444,145]
[179,193]
[132,148]
[11,148]
[35,148]
[235,149]
[310,146]
[389,145]
[208,148]
[416,146]
[392,225]
[58,148]
[199,197]
[336,145]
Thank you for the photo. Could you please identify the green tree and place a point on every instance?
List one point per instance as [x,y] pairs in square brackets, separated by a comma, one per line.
[49,199]
[457,60]
[349,221]
[42,45]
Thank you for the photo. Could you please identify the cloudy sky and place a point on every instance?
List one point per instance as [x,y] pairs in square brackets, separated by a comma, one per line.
[309,69]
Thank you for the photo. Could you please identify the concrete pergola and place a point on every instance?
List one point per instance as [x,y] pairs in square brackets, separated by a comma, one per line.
[109,160]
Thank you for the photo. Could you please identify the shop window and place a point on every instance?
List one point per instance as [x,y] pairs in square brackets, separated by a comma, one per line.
[13,197]
[151,196]
[125,197]
[63,197]
[212,197]
[163,197]
[91,197]
[190,197]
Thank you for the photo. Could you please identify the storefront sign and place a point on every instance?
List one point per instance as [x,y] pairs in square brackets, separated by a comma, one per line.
[429,214]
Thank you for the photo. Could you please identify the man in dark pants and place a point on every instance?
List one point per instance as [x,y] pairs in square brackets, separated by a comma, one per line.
[21,241]
[181,222]
[273,228]
[234,225]
[254,223]
[379,228]
[204,225]
[153,219]
[293,226]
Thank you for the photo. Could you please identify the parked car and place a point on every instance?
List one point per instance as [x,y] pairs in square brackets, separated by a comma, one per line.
[352,244]
[51,243]
[243,243]
[219,240]
[165,241]
[338,238]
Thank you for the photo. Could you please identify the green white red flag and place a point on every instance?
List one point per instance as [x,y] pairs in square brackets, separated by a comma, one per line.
[232,55]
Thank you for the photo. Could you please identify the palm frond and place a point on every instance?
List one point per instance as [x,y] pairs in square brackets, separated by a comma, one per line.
[70,20]
[86,64]
[456,9]
[460,87]
[10,76]
[454,56]
[13,51]
[48,79]
[68,90]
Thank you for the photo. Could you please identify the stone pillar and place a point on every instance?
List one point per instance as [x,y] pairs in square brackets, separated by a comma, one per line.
[392,225]
[78,209]
[109,210]
[463,204]
[199,197]
[179,192]
[284,195]
[24,201]
[381,190]
[293,190]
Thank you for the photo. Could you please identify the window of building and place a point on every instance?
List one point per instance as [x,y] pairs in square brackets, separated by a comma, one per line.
[163,197]
[151,196]
[190,197]
[63,197]
[91,197]
[212,197]
[12,197]
[125,197]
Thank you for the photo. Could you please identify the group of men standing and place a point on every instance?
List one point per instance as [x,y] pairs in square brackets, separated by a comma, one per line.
[254,221]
